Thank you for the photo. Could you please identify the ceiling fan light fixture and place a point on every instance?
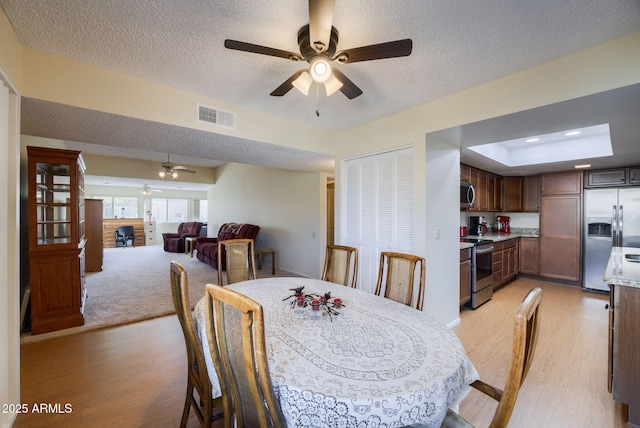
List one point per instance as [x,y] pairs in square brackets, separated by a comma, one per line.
[320,69]
[174,174]
[303,82]
[162,174]
[332,85]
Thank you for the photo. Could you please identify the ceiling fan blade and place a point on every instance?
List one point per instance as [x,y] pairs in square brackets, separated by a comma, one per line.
[349,89]
[287,85]
[393,49]
[320,22]
[183,169]
[262,50]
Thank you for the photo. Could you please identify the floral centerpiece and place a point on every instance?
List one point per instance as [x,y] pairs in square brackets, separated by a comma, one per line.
[149,214]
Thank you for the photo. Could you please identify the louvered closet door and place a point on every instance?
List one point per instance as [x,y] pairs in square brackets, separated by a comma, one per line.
[379,209]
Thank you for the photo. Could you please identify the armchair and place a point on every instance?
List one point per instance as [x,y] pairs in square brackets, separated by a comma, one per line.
[174,242]
[207,248]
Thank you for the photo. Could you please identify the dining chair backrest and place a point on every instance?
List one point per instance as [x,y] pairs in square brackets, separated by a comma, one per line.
[399,271]
[338,263]
[235,331]
[197,373]
[240,260]
[525,337]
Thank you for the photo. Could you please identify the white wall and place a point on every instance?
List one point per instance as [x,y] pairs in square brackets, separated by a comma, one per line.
[442,188]
[9,248]
[289,207]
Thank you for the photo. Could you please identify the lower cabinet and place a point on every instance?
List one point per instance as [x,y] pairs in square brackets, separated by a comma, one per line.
[624,349]
[506,261]
[465,276]
[529,256]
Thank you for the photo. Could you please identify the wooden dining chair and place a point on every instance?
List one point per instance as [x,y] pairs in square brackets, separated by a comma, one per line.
[399,271]
[204,405]
[525,336]
[240,260]
[235,331]
[337,265]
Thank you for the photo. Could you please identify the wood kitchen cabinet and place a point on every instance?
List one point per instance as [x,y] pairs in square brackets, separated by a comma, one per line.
[56,214]
[465,276]
[512,193]
[613,177]
[488,188]
[531,194]
[495,192]
[529,256]
[506,261]
[560,231]
[624,348]
[634,175]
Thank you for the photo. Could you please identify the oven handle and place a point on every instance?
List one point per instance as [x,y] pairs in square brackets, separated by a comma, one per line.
[484,250]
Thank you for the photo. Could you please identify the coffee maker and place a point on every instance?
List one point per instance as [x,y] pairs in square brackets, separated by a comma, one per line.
[477,225]
[502,224]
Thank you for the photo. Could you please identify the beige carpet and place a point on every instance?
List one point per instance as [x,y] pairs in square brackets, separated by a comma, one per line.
[134,286]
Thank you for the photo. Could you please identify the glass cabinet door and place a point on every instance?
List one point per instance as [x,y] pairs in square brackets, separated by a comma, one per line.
[53,203]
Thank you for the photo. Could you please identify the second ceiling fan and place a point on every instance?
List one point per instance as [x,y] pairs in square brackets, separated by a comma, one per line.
[318,46]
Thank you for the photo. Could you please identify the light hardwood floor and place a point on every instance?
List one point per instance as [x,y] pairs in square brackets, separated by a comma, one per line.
[135,375]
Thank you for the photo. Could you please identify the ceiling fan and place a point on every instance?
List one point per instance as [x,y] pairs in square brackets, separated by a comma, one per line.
[170,169]
[146,190]
[318,44]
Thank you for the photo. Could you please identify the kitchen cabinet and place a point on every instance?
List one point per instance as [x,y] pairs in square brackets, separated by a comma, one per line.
[613,177]
[560,231]
[624,348]
[480,182]
[56,215]
[506,261]
[488,188]
[465,276]
[495,192]
[529,256]
[561,183]
[512,193]
[531,194]
[610,177]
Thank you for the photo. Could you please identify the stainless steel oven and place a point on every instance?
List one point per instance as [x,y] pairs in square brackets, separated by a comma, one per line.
[481,271]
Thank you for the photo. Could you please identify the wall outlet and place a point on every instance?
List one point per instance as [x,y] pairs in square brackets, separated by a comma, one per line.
[436,233]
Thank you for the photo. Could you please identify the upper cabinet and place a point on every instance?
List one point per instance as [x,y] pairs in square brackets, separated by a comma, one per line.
[566,183]
[613,177]
[513,192]
[531,193]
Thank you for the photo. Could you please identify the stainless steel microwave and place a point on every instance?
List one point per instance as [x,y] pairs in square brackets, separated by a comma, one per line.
[467,194]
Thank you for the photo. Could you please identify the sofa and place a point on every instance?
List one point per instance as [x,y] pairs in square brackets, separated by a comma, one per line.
[207,248]
[174,241]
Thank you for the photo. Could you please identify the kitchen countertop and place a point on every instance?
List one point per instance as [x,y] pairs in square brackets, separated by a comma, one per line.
[499,237]
[620,271]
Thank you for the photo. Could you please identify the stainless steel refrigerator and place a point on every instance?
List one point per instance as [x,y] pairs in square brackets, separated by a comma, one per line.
[611,219]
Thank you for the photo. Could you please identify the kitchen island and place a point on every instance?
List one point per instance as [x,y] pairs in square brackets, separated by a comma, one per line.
[623,277]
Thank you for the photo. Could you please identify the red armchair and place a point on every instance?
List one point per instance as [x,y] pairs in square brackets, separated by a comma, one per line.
[207,248]
[174,242]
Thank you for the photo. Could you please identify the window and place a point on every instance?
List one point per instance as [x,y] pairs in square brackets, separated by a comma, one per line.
[125,207]
[170,210]
[203,212]
[119,207]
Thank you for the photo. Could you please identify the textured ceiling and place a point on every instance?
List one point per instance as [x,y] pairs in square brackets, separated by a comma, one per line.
[456,45]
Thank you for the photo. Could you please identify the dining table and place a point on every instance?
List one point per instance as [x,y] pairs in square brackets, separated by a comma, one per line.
[366,361]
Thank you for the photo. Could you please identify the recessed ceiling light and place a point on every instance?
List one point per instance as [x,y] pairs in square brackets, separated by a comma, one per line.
[571,133]
[586,165]
[532,140]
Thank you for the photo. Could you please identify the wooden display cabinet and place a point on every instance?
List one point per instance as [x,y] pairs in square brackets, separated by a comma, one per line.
[56,214]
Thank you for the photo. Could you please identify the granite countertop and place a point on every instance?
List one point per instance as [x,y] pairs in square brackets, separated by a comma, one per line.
[621,271]
[498,237]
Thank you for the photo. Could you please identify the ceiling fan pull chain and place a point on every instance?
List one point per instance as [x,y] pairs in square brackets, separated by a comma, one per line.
[317,100]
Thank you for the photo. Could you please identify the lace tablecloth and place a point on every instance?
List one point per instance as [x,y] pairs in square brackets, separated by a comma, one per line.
[377,364]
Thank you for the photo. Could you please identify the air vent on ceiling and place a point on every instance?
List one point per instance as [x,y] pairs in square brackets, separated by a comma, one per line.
[215,116]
